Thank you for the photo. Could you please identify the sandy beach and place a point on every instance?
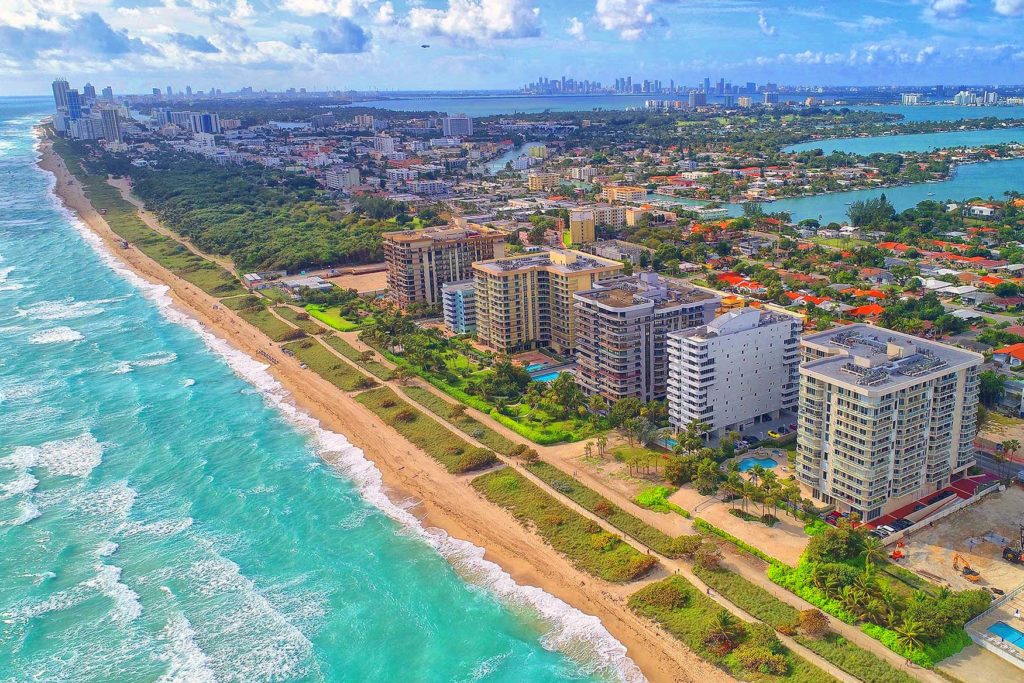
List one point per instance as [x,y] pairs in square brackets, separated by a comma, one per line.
[446,501]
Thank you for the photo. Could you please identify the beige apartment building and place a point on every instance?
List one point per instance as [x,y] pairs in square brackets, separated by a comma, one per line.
[526,302]
[582,226]
[539,180]
[420,262]
[884,418]
[624,193]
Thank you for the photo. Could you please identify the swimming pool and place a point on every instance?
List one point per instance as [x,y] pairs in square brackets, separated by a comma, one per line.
[547,377]
[750,463]
[534,367]
[1007,633]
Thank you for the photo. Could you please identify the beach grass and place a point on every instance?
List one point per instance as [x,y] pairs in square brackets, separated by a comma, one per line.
[750,652]
[269,324]
[292,316]
[237,303]
[123,219]
[631,525]
[455,453]
[467,424]
[332,317]
[349,351]
[330,367]
[583,541]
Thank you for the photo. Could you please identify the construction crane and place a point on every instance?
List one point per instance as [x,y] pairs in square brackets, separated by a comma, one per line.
[1015,553]
[966,571]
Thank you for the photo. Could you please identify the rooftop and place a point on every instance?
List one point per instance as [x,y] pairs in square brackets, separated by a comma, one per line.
[565,261]
[875,358]
[626,291]
[443,233]
[738,320]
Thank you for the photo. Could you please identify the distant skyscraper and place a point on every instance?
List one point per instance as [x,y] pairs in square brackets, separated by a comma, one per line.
[188,90]
[170,92]
[74,105]
[111,123]
[60,93]
[751,87]
[108,94]
[457,125]
[89,91]
[156,92]
[707,85]
[698,99]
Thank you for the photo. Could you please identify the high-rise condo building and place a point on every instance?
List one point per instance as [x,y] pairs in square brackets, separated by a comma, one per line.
[582,226]
[526,302]
[739,369]
[89,92]
[420,262]
[74,104]
[622,328]
[111,124]
[60,94]
[885,417]
[108,94]
[459,305]
[457,126]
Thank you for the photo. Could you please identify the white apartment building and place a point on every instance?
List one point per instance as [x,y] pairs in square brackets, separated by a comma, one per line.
[457,125]
[885,418]
[384,144]
[401,175]
[340,178]
[739,369]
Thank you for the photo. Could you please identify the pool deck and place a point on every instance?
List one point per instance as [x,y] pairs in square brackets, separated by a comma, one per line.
[1002,610]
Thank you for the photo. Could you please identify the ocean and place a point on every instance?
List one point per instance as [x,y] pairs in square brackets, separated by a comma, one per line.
[164,514]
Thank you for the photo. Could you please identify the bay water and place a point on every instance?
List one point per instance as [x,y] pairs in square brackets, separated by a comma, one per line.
[165,515]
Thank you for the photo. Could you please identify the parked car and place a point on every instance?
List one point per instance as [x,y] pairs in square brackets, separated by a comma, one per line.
[773,434]
[888,529]
[792,427]
[878,533]
[901,524]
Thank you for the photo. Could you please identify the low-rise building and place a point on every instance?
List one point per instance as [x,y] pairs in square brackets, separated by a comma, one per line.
[622,326]
[623,193]
[737,370]
[459,305]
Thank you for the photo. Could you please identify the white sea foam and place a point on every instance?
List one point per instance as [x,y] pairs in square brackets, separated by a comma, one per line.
[579,635]
[29,511]
[56,335]
[66,309]
[148,361]
[106,549]
[19,486]
[162,529]
[186,661]
[127,607]
[75,457]
[21,390]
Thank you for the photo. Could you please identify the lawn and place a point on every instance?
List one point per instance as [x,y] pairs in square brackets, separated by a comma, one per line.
[270,325]
[747,651]
[347,350]
[237,303]
[330,367]
[467,424]
[584,542]
[602,507]
[305,324]
[331,316]
[456,454]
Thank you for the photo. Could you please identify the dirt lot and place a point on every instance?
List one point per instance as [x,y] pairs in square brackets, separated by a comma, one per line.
[365,282]
[975,533]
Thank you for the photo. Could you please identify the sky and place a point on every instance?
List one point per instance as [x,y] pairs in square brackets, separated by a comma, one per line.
[135,45]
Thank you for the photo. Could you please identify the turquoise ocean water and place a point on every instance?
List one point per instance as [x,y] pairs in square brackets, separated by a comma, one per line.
[164,515]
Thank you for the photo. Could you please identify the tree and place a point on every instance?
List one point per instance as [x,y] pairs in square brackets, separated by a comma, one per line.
[874,551]
[624,410]
[707,477]
[993,385]
[457,412]
[1010,448]
[602,444]
[722,632]
[638,430]
[908,634]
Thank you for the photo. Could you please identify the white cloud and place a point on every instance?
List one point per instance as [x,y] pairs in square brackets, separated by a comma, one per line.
[866,23]
[474,20]
[338,8]
[762,23]
[576,29]
[385,13]
[944,9]
[1009,8]
[630,18]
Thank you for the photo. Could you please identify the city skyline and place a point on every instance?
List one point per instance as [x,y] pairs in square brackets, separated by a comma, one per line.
[501,44]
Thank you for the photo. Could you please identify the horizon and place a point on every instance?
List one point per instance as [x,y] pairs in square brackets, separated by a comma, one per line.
[374,45]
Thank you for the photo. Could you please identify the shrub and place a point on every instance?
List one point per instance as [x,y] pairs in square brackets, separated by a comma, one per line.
[405,415]
[708,555]
[762,659]
[388,403]
[518,450]
[666,596]
[814,623]
[476,459]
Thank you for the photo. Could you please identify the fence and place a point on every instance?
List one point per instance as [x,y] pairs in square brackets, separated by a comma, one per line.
[989,641]
[941,514]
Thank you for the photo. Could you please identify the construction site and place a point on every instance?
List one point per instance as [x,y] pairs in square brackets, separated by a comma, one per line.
[966,549]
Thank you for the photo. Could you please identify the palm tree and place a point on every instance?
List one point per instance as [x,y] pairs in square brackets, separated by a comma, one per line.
[588,449]
[874,551]
[756,472]
[723,628]
[908,634]
[602,444]
[1010,448]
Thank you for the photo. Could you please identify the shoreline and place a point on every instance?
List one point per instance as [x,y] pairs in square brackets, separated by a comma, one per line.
[471,526]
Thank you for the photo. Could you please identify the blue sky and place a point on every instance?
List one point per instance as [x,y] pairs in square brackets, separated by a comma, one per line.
[135,45]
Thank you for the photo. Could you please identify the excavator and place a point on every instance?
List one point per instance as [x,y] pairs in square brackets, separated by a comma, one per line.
[1015,553]
[966,571]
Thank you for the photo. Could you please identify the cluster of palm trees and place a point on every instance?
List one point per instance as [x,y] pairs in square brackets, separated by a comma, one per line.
[764,488]
[1004,456]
